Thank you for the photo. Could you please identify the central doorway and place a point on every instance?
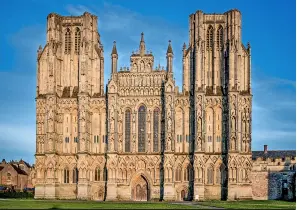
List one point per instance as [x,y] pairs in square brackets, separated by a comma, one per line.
[140,189]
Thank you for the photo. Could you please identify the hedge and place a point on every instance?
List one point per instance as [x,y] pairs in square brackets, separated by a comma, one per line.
[16,195]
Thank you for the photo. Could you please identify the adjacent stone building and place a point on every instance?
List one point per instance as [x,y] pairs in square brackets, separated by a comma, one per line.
[144,138]
[274,174]
[16,174]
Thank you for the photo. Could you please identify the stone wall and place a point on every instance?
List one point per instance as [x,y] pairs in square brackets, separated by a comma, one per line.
[268,185]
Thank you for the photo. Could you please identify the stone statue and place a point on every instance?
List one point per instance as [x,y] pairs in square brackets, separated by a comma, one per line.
[169,124]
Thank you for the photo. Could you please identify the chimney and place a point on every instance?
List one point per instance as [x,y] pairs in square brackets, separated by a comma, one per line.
[265,149]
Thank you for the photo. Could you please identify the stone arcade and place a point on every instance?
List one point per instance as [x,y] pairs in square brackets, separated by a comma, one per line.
[144,139]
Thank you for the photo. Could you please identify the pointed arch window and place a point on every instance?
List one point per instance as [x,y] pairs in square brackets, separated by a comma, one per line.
[209,38]
[127,130]
[178,174]
[218,176]
[67,41]
[210,175]
[220,38]
[9,176]
[77,40]
[75,175]
[156,130]
[97,174]
[66,175]
[141,128]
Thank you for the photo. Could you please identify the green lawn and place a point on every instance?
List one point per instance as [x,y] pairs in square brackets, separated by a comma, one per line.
[59,204]
[271,204]
[42,204]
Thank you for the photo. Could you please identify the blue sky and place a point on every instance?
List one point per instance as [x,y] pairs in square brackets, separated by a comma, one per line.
[270,27]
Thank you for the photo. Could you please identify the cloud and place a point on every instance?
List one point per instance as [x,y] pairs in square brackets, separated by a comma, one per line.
[125,26]
[274,112]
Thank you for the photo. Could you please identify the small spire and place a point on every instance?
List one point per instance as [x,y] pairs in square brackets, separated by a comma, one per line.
[142,45]
[184,46]
[169,49]
[142,38]
[114,49]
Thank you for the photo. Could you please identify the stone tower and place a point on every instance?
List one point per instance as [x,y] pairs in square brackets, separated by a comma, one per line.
[69,72]
[217,76]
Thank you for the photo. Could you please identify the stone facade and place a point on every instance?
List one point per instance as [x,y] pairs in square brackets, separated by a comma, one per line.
[144,139]
[274,174]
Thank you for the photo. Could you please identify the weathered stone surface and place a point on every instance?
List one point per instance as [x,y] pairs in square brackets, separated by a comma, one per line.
[97,145]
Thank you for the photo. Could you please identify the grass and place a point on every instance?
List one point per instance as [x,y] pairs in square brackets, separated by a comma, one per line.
[252,204]
[59,204]
[62,204]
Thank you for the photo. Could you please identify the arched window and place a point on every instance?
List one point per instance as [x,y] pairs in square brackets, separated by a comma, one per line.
[187,173]
[67,41]
[77,40]
[220,38]
[178,174]
[127,130]
[190,173]
[8,176]
[105,174]
[141,128]
[66,175]
[218,176]
[75,175]
[156,130]
[209,38]
[97,174]
[141,66]
[210,175]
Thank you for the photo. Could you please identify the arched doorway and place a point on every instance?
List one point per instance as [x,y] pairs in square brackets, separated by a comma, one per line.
[140,189]
[182,195]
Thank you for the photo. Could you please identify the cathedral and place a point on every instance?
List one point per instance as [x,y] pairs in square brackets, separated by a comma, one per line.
[141,138]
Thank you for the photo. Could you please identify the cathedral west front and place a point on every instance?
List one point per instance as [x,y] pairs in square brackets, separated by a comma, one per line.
[142,138]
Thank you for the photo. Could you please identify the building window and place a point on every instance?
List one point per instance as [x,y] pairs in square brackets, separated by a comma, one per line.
[220,38]
[127,130]
[178,174]
[67,41]
[218,176]
[210,175]
[75,175]
[186,177]
[77,40]
[75,139]
[8,176]
[66,139]
[209,38]
[66,176]
[141,128]
[156,130]
[97,174]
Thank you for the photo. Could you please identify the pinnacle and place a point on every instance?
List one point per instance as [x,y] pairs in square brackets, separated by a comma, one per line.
[169,49]
[114,49]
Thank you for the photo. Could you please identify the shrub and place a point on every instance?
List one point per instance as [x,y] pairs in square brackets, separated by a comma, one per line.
[25,195]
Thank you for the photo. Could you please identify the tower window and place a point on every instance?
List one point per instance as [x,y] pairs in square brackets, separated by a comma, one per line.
[127,130]
[220,38]
[77,40]
[67,41]
[209,43]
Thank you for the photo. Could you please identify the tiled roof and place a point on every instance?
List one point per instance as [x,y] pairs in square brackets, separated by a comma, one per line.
[27,164]
[18,170]
[274,154]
